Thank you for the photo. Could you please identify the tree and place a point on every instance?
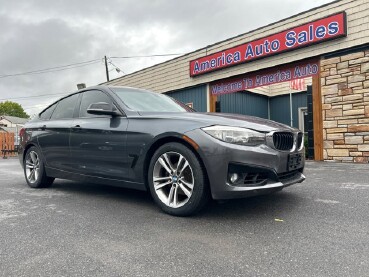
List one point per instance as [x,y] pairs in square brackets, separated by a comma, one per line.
[12,109]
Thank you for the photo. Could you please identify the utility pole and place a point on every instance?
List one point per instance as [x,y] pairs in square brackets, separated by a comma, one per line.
[106,69]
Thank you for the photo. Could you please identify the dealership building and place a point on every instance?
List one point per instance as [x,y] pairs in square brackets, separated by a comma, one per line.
[310,71]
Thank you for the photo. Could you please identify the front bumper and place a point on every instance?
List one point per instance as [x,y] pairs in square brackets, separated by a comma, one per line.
[221,158]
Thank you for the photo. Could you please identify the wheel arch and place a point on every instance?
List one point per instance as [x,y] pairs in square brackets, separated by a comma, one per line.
[164,140]
[28,146]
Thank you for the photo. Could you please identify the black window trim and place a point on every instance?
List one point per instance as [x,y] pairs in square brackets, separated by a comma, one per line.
[44,110]
[56,103]
[78,106]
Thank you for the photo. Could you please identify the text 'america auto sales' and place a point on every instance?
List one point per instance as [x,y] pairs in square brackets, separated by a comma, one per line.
[318,31]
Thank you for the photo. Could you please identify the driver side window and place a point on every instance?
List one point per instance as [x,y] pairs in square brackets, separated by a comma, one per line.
[89,97]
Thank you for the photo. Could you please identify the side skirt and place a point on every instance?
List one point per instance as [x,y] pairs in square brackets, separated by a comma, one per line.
[61,174]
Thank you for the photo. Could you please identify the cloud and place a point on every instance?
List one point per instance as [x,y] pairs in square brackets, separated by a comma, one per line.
[37,34]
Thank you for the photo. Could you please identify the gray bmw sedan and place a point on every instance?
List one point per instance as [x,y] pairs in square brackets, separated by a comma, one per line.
[143,140]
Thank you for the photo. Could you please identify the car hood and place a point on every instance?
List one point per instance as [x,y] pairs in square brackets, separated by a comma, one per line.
[236,120]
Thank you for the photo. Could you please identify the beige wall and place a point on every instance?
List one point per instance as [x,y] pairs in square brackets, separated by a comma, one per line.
[174,74]
[6,123]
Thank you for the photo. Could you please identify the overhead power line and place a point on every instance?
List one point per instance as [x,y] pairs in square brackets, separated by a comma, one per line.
[116,67]
[81,64]
[34,96]
[52,69]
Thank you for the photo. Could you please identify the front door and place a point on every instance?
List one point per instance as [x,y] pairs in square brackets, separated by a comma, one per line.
[98,143]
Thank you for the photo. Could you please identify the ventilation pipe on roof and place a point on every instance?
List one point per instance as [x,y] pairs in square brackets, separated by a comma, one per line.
[81,86]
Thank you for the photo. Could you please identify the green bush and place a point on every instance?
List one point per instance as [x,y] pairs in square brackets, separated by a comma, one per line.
[306,144]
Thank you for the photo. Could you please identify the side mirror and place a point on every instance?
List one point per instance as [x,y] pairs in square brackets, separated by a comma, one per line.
[103,108]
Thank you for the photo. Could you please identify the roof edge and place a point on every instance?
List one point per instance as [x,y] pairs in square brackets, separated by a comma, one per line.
[225,40]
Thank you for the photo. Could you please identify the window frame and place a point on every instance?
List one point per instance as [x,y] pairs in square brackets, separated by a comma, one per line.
[78,106]
[44,110]
[58,102]
[112,100]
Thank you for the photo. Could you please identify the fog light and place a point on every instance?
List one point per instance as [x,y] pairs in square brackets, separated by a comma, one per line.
[233,177]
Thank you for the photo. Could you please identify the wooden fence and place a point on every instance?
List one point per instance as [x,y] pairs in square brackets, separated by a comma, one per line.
[7,144]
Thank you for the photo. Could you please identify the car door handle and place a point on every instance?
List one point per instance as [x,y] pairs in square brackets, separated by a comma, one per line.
[76,128]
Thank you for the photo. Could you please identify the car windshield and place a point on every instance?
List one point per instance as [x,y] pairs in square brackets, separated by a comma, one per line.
[146,101]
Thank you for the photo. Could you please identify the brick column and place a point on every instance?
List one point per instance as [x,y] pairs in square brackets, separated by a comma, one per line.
[345,99]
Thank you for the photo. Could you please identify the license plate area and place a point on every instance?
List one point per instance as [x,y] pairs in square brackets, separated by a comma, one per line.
[294,161]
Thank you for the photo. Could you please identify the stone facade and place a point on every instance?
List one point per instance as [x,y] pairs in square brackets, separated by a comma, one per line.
[345,103]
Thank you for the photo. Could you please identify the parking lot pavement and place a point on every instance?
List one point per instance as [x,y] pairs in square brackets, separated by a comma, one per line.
[317,228]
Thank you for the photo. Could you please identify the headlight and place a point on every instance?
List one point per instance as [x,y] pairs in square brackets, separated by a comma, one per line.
[235,135]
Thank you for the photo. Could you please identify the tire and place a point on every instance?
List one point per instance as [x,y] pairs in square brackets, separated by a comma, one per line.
[180,187]
[34,169]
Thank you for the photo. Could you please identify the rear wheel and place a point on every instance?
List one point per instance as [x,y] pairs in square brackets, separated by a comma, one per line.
[34,169]
[177,180]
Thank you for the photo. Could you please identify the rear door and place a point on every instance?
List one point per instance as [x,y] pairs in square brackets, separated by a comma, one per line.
[98,142]
[53,136]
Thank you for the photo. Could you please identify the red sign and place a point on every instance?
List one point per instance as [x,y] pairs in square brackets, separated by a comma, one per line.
[318,31]
[266,77]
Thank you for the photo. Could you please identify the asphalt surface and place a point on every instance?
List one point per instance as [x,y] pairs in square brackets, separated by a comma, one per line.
[317,228]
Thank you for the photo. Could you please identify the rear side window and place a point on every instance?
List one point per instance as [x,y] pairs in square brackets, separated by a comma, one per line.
[90,97]
[46,114]
[65,107]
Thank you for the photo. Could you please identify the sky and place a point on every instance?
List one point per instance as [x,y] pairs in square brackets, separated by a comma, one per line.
[44,34]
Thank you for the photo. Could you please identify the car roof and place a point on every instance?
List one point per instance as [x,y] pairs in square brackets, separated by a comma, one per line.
[106,88]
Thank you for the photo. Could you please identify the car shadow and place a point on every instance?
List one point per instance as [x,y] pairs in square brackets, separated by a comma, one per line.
[254,207]
[258,206]
[103,192]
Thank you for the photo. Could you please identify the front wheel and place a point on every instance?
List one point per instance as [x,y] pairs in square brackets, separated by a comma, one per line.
[34,169]
[177,180]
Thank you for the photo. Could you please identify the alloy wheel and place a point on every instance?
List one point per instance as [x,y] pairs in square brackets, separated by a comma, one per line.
[32,167]
[173,179]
